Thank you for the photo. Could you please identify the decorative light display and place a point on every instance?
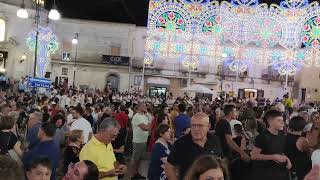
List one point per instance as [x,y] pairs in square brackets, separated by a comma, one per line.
[47,45]
[198,30]
[311,32]
[269,32]
[238,58]
[288,62]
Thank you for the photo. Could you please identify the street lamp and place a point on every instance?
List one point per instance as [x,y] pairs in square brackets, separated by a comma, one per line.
[54,13]
[23,57]
[75,42]
[22,12]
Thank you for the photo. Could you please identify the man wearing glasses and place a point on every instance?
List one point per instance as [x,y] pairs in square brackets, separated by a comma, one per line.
[100,151]
[190,146]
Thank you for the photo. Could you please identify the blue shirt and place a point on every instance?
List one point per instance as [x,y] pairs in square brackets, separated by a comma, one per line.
[156,168]
[48,149]
[32,136]
[181,122]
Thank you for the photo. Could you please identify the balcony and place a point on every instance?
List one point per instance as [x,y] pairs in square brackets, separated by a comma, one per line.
[225,73]
[275,76]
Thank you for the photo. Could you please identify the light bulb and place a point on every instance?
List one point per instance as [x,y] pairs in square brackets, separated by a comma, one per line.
[22,12]
[224,55]
[23,57]
[54,14]
[74,41]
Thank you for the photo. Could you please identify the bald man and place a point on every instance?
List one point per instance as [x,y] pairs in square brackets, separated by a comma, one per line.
[190,146]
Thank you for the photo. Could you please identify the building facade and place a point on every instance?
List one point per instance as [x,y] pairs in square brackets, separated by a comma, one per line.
[113,53]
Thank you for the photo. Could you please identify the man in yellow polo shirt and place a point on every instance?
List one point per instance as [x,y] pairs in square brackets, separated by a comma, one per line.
[99,150]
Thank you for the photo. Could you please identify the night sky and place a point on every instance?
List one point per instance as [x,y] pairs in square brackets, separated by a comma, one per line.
[122,11]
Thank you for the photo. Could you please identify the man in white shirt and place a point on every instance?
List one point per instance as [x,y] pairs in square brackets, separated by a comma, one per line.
[63,100]
[81,124]
[140,128]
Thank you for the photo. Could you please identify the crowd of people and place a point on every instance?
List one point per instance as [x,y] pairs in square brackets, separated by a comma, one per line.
[71,134]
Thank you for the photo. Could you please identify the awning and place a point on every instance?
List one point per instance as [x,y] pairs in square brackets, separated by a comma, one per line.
[158,81]
[206,81]
[197,88]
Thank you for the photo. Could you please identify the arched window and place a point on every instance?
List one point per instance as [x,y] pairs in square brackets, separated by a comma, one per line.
[2,30]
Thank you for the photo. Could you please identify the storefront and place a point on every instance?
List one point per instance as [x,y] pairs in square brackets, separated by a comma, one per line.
[158,86]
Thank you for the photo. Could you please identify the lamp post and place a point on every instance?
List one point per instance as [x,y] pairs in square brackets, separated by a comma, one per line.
[23,13]
[142,81]
[75,42]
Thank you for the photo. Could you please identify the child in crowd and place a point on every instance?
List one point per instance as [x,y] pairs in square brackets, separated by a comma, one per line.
[40,168]
[269,161]
[160,152]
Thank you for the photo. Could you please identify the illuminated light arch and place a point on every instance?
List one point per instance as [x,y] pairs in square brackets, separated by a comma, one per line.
[214,26]
[289,61]
[202,33]
[311,32]
[47,45]
[171,17]
[269,29]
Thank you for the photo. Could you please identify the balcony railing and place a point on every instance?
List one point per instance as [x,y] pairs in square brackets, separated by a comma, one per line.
[276,77]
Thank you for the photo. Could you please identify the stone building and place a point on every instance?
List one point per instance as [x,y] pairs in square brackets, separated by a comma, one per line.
[114,52]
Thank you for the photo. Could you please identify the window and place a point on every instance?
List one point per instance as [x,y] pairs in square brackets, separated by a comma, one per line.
[115,50]
[64,72]
[2,30]
[66,56]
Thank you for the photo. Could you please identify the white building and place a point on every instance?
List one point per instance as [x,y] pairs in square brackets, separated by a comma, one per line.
[103,38]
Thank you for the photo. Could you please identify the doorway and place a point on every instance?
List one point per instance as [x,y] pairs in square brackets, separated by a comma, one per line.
[303,95]
[157,91]
[113,82]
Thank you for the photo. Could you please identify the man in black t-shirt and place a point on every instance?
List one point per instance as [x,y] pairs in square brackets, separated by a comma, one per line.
[189,147]
[223,131]
[269,161]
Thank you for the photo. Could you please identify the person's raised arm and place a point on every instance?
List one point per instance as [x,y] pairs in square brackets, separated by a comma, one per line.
[111,173]
[236,148]
[144,127]
[256,155]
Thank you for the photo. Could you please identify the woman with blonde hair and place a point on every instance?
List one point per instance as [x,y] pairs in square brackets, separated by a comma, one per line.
[208,167]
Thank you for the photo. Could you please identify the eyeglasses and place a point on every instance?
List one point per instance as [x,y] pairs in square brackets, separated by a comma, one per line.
[200,126]
[75,170]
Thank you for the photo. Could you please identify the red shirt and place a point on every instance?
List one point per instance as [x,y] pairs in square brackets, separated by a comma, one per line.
[122,119]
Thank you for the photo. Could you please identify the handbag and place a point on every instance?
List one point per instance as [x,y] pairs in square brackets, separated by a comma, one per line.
[11,153]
